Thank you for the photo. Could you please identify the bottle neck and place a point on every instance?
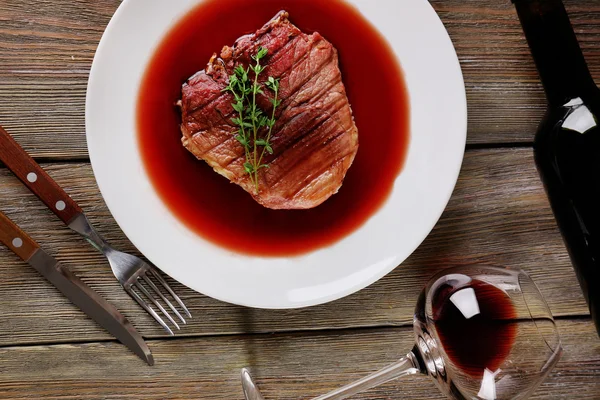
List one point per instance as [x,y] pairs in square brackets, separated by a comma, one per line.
[560,62]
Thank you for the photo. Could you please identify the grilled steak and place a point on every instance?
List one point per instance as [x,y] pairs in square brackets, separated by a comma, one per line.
[314,140]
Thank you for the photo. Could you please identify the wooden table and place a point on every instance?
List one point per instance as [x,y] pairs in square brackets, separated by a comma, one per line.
[498,215]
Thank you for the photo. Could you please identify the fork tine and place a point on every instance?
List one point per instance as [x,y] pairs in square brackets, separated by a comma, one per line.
[155,302]
[171,306]
[150,311]
[166,286]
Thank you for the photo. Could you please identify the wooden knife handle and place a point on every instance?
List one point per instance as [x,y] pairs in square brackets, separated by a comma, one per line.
[36,179]
[16,240]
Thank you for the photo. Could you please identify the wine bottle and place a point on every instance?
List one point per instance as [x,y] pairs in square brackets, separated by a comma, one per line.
[567,144]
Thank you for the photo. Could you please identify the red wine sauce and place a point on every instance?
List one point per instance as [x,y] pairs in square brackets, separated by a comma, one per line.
[222,212]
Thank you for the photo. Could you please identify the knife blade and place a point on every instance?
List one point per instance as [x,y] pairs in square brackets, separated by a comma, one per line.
[90,302]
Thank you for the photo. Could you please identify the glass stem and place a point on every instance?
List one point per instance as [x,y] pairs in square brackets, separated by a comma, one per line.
[405,366]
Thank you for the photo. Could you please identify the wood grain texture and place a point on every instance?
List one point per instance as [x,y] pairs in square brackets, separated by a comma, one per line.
[498,215]
[46,51]
[286,366]
[47,47]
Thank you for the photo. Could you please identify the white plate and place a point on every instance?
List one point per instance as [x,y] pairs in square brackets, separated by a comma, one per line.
[421,192]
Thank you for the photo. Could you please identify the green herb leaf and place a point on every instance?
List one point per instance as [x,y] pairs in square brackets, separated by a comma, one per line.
[262,52]
[239,106]
[258,69]
[255,127]
[272,84]
[243,141]
[256,89]
[239,72]
[249,167]
[263,121]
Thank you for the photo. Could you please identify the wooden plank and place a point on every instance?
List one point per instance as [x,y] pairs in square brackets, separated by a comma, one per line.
[498,215]
[46,51]
[286,366]
[47,47]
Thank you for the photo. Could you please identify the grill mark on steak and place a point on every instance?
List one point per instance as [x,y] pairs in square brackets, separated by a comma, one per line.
[221,95]
[311,125]
[229,139]
[282,140]
[318,174]
[315,139]
[329,132]
[226,119]
[293,93]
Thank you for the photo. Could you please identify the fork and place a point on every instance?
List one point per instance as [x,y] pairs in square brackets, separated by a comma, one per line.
[140,279]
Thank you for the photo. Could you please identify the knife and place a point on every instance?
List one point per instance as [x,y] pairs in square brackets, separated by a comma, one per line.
[90,302]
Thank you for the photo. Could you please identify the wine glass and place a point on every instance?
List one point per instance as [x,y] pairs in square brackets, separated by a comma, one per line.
[481,333]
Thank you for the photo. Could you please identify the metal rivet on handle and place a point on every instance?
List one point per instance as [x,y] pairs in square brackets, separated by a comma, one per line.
[32,177]
[17,242]
[60,205]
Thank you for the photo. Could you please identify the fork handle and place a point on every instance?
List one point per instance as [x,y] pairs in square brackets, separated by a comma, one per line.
[36,179]
[15,239]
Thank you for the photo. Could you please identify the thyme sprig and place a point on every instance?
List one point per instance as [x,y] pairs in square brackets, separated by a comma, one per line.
[255,128]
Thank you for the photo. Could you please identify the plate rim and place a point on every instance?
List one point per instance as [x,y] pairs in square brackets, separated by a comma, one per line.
[269,304]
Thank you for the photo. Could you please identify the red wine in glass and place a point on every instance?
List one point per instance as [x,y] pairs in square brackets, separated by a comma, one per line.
[476,325]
